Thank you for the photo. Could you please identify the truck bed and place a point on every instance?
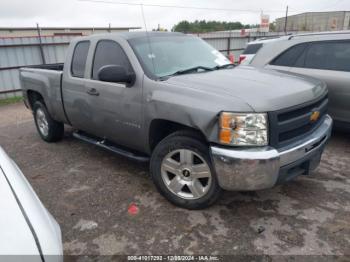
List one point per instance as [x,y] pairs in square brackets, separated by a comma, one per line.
[45,80]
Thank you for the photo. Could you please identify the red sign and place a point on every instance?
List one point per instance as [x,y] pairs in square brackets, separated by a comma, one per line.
[265,23]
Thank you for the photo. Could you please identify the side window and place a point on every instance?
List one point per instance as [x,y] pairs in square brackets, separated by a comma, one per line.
[79,59]
[252,49]
[109,52]
[300,62]
[333,55]
[290,56]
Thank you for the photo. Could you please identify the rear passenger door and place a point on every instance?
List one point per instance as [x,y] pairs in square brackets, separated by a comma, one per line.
[330,62]
[74,90]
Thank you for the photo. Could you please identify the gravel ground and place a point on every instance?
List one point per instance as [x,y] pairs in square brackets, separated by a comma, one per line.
[88,191]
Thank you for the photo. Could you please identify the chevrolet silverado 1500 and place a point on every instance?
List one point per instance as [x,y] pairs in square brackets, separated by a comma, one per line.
[173,100]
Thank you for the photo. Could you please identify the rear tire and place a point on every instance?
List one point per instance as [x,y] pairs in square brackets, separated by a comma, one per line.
[182,171]
[48,129]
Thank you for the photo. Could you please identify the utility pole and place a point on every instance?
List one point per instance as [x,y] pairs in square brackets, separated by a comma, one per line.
[40,45]
[109,27]
[285,21]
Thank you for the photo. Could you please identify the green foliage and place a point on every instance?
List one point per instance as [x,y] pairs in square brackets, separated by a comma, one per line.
[204,26]
[10,100]
[272,27]
[160,29]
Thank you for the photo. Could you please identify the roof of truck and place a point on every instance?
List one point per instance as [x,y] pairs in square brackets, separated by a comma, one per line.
[133,35]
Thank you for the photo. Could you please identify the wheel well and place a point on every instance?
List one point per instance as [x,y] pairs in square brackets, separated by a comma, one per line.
[160,128]
[34,96]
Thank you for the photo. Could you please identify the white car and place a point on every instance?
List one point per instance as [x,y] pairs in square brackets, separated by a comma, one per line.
[28,232]
[252,48]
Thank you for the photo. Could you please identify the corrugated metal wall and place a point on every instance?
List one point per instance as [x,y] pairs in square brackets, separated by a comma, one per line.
[233,42]
[22,51]
[315,21]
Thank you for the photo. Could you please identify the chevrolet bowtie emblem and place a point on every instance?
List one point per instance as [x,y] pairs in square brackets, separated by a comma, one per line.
[314,116]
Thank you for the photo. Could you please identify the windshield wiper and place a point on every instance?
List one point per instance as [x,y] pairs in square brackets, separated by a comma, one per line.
[189,70]
[223,66]
[195,68]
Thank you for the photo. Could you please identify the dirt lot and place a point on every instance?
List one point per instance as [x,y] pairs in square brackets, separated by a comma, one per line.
[88,190]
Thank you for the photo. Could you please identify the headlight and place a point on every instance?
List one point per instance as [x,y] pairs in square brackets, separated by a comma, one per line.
[243,129]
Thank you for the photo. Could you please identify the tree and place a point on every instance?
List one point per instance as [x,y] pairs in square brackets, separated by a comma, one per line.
[182,26]
[204,26]
[273,27]
[161,29]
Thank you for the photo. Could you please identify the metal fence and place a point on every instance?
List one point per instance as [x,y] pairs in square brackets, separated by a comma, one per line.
[17,52]
[234,42]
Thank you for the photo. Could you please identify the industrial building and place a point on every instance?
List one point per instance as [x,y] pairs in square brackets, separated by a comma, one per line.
[315,21]
[58,31]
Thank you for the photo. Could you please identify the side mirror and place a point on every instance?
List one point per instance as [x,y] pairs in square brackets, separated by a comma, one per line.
[115,74]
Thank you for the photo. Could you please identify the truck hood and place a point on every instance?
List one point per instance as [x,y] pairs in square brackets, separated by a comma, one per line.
[263,90]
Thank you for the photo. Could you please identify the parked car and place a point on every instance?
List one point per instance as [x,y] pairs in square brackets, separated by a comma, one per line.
[175,101]
[28,231]
[251,49]
[325,56]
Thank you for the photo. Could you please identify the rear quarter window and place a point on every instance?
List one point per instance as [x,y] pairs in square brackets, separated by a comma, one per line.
[79,59]
[252,49]
[290,56]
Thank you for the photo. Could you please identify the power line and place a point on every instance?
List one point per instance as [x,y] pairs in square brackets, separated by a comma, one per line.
[181,6]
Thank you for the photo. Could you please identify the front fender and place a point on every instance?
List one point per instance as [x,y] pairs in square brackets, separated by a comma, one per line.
[189,107]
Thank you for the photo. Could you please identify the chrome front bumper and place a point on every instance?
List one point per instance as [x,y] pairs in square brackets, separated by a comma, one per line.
[241,169]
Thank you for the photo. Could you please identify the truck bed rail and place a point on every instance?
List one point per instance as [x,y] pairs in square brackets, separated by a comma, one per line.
[56,67]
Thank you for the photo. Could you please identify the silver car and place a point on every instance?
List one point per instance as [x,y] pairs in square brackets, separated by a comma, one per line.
[28,231]
[325,56]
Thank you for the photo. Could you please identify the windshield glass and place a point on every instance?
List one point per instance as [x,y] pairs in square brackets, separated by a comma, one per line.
[165,55]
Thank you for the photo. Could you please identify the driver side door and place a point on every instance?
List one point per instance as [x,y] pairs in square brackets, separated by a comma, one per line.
[117,107]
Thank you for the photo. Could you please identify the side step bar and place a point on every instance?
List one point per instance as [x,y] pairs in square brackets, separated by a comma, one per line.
[110,146]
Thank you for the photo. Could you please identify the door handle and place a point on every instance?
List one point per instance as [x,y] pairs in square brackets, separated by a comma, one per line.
[93,92]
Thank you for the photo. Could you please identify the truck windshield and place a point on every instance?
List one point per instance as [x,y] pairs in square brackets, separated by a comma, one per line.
[164,56]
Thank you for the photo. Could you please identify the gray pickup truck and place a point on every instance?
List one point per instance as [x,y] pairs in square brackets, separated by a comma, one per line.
[173,100]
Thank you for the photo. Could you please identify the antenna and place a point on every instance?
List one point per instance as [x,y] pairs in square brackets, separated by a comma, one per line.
[143,17]
[148,38]
[40,44]
[285,21]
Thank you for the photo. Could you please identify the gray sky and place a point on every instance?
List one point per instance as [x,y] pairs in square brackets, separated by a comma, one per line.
[77,13]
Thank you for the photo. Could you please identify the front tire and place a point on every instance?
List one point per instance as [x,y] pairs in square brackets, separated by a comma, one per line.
[182,171]
[48,129]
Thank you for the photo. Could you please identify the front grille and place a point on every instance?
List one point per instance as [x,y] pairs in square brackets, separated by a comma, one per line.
[294,123]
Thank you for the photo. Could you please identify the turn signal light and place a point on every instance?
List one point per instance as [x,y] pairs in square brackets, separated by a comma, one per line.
[225,136]
[226,120]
